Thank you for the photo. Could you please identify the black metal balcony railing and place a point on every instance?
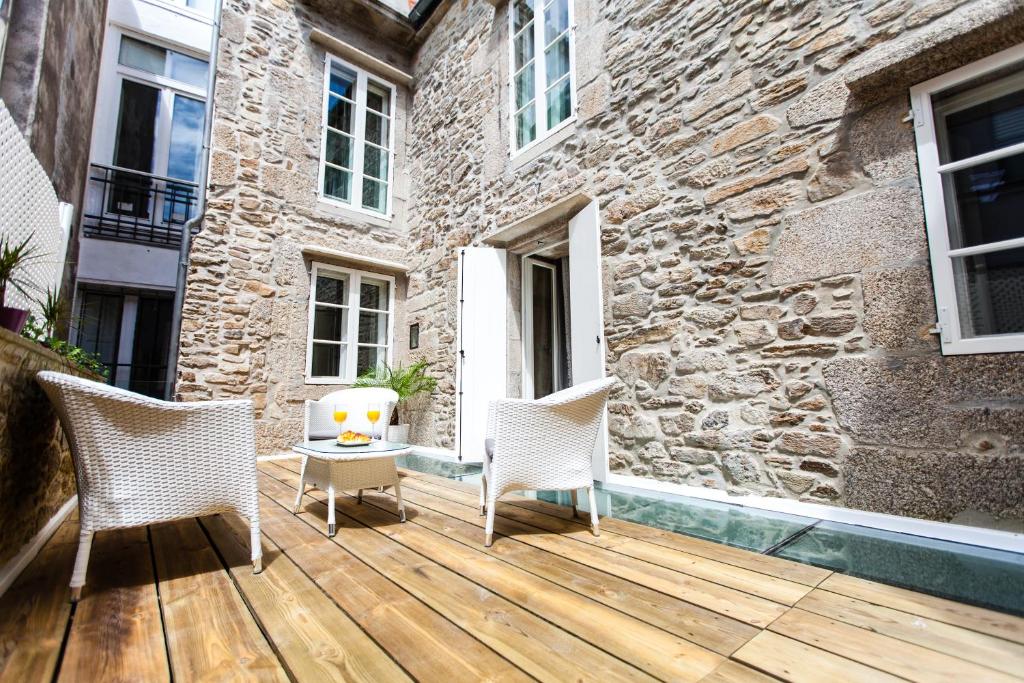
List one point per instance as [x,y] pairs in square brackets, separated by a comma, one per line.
[132,206]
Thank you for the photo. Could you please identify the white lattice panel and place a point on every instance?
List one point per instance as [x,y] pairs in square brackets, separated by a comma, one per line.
[29,206]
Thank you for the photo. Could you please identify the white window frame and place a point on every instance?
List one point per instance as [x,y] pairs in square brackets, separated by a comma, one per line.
[352,328]
[540,84]
[952,340]
[359,137]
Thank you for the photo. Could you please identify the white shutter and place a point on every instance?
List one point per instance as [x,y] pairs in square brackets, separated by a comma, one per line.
[586,308]
[482,365]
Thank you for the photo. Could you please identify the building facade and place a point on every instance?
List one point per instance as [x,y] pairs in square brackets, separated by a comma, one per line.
[787,226]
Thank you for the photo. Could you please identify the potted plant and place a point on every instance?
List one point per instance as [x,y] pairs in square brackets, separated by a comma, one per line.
[12,258]
[404,381]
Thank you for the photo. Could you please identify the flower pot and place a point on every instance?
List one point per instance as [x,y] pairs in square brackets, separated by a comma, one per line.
[13,319]
[398,433]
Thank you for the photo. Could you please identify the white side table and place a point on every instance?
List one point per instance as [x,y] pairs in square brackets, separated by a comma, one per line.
[331,467]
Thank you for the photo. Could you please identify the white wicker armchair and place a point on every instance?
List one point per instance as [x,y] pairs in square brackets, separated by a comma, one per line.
[546,445]
[319,419]
[141,461]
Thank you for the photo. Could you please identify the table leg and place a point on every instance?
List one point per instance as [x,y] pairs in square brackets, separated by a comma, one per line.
[302,486]
[401,504]
[359,497]
[330,510]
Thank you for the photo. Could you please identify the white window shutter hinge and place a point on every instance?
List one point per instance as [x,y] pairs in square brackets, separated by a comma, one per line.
[909,117]
[941,327]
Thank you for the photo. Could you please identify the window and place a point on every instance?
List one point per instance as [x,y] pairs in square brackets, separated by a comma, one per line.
[350,322]
[970,138]
[357,153]
[163,62]
[542,54]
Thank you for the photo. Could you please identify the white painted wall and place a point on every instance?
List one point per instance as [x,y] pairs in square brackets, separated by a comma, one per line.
[125,264]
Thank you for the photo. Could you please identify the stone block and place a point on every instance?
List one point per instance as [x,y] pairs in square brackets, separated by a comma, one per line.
[899,307]
[823,102]
[929,401]
[728,386]
[650,366]
[883,144]
[754,242]
[937,484]
[808,443]
[850,235]
[831,325]
[744,132]
[763,202]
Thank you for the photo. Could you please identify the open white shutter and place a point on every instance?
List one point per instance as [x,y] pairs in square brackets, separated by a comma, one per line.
[482,368]
[586,304]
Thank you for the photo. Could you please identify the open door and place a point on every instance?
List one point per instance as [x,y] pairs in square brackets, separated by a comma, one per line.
[587,305]
[482,367]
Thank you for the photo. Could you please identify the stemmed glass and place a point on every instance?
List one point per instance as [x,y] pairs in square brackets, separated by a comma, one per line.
[373,414]
[340,415]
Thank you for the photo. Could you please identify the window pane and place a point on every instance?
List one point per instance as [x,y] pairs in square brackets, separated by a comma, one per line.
[377,129]
[375,195]
[339,114]
[985,203]
[524,87]
[339,149]
[328,360]
[188,69]
[143,56]
[330,290]
[556,59]
[337,184]
[373,328]
[523,49]
[378,98]
[369,357]
[965,132]
[374,294]
[522,14]
[186,138]
[556,19]
[375,162]
[990,292]
[559,103]
[526,127]
[343,82]
[329,323]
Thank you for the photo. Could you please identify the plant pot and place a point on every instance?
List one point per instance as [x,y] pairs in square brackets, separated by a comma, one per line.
[398,433]
[13,319]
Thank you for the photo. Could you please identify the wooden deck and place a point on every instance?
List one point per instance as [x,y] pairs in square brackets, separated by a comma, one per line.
[384,601]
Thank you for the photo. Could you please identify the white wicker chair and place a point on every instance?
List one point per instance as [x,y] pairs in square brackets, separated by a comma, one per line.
[545,445]
[141,461]
[319,418]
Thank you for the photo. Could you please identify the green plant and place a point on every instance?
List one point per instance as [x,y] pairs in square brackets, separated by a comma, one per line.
[404,381]
[77,356]
[53,308]
[12,258]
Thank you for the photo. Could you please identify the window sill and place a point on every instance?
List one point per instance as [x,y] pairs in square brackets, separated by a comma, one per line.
[350,213]
[530,153]
[329,381]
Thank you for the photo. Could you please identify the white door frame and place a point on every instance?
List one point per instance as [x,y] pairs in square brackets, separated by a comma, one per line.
[529,362]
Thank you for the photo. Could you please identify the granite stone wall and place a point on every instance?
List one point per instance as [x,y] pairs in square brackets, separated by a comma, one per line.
[767,287]
[36,473]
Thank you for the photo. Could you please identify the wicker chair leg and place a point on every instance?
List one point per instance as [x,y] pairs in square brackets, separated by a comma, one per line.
[359,496]
[483,496]
[257,548]
[401,503]
[81,564]
[593,511]
[302,486]
[489,527]
[573,494]
[331,528]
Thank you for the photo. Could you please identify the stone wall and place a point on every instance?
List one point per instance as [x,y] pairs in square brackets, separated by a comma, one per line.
[36,473]
[767,286]
[767,283]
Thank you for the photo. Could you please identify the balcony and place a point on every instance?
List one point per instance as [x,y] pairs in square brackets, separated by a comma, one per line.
[131,206]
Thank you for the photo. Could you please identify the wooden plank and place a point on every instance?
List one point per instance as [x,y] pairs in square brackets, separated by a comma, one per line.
[773,566]
[210,633]
[536,646]
[34,610]
[798,662]
[426,644]
[882,652]
[314,637]
[927,606]
[702,626]
[972,646]
[116,634]
[731,671]
[649,648]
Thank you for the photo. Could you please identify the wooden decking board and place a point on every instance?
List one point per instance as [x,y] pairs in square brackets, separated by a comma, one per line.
[651,649]
[36,610]
[315,639]
[986,650]
[209,631]
[697,624]
[538,647]
[773,566]
[426,601]
[116,633]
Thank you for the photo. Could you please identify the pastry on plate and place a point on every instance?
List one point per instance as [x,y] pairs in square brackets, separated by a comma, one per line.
[353,438]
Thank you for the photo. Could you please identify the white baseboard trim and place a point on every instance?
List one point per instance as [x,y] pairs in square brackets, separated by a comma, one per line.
[288,455]
[958,533]
[10,571]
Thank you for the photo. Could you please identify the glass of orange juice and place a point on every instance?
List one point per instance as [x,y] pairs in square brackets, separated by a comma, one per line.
[373,414]
[340,415]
